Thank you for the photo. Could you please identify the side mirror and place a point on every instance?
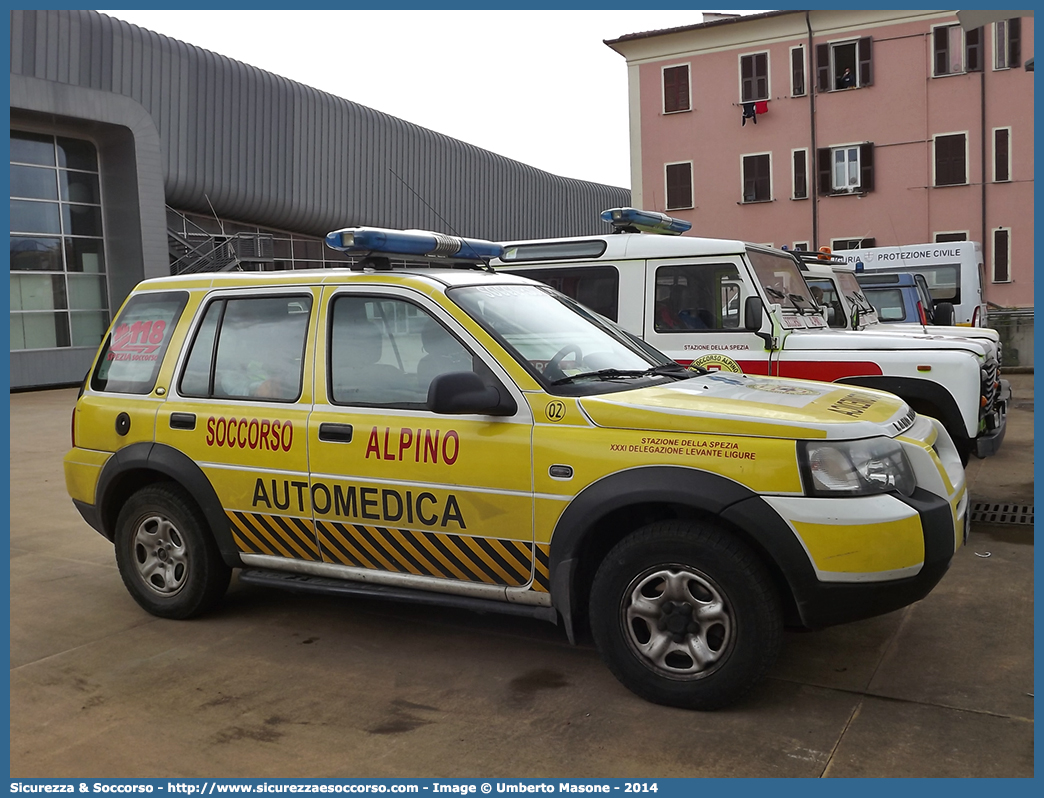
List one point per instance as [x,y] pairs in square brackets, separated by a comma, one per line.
[463,392]
[943,314]
[753,313]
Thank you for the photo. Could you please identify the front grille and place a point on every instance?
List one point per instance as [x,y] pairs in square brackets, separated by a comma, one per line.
[993,513]
[990,386]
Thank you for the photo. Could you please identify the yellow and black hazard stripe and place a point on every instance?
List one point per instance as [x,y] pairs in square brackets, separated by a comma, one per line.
[275,535]
[492,561]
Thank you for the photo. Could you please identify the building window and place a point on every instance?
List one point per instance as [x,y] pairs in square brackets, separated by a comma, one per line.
[59,296]
[676,89]
[945,238]
[754,82]
[1001,154]
[839,244]
[757,178]
[1002,255]
[956,51]
[846,170]
[844,65]
[800,164]
[1007,48]
[951,160]
[679,185]
[797,71]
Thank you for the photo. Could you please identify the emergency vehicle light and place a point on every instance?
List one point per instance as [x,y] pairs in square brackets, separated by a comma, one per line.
[411,242]
[634,220]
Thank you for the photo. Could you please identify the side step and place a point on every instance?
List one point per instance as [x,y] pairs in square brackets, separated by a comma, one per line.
[305,583]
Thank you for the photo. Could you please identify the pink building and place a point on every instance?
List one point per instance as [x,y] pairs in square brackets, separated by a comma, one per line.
[837,127]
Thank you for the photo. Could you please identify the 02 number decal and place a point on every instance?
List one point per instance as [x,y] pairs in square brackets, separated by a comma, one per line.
[555,411]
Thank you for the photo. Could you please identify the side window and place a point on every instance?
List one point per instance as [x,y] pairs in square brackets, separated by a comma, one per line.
[132,354]
[754,79]
[844,65]
[697,297]
[249,348]
[825,293]
[597,287]
[387,352]
[846,170]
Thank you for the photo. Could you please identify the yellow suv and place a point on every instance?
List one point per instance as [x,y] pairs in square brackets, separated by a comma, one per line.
[474,438]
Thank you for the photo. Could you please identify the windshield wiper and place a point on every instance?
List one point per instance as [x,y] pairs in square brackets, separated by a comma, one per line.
[664,370]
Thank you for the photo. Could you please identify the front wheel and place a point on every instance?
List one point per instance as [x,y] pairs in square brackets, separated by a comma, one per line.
[685,615]
[166,554]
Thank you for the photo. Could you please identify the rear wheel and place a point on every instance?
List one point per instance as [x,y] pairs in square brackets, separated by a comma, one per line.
[685,615]
[166,554]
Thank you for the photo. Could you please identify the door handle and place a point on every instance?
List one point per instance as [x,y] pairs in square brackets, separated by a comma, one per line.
[182,420]
[335,433]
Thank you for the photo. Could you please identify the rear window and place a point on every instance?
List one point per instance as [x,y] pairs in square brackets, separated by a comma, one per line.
[133,351]
[888,302]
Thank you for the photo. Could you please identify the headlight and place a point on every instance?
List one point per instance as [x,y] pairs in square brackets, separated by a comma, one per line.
[856,468]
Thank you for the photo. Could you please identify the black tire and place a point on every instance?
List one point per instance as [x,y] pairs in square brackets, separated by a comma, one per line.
[686,571]
[167,555]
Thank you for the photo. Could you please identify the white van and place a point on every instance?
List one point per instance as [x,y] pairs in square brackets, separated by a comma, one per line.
[954,272]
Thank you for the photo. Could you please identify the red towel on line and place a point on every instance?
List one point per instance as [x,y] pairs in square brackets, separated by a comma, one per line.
[761,107]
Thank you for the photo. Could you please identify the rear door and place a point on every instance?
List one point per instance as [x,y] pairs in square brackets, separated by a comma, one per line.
[239,409]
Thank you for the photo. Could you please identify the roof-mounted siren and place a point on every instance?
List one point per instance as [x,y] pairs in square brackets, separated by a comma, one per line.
[632,220]
[379,244]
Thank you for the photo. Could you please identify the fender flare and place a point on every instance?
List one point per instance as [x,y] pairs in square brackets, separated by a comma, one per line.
[700,491]
[925,390]
[167,461]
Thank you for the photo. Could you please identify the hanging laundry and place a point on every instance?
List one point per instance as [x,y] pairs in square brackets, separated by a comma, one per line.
[761,107]
[748,113]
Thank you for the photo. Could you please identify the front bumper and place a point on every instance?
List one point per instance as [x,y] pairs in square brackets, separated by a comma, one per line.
[818,603]
[988,442]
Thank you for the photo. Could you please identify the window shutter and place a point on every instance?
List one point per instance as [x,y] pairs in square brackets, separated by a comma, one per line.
[949,160]
[1014,43]
[800,176]
[866,166]
[676,89]
[822,67]
[797,71]
[679,185]
[1000,256]
[941,49]
[866,72]
[1000,155]
[746,78]
[824,163]
[973,50]
[762,178]
[761,76]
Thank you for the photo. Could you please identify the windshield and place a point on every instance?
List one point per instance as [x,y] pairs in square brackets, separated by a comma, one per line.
[782,281]
[853,292]
[561,342]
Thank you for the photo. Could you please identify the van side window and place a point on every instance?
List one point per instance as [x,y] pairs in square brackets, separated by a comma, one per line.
[697,297]
[132,354]
[387,352]
[249,348]
[596,287]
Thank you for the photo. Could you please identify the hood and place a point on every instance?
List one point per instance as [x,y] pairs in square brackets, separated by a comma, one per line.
[870,340]
[737,404]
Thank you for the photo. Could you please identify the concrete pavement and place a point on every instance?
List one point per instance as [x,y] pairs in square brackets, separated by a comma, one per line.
[279,685]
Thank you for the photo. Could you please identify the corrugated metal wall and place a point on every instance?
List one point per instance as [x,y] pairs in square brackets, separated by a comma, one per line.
[271,151]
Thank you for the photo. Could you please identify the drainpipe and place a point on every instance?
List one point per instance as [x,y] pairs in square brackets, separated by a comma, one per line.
[812,166]
[982,141]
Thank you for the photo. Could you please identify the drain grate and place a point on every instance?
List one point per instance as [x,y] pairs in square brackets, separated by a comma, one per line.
[991,513]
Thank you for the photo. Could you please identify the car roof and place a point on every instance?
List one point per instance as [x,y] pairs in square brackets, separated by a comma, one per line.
[437,278]
[635,246]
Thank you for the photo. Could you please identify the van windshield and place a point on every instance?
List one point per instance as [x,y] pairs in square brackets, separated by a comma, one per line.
[782,281]
[561,342]
[853,292]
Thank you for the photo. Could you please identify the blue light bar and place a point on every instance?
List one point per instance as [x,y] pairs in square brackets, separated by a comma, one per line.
[645,221]
[424,243]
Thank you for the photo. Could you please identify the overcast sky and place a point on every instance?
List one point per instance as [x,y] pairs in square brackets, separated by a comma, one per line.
[536,86]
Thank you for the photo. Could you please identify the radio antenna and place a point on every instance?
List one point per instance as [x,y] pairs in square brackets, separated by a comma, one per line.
[418,196]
